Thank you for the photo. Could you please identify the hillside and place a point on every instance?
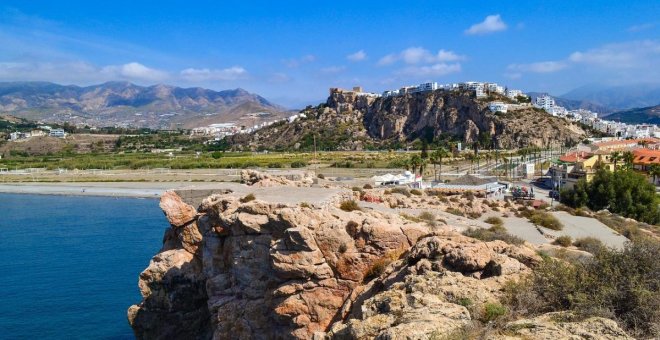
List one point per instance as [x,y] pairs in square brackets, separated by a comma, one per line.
[643,115]
[126,104]
[618,97]
[348,122]
[571,104]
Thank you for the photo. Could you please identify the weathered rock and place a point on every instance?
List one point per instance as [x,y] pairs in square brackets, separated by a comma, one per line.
[551,327]
[177,212]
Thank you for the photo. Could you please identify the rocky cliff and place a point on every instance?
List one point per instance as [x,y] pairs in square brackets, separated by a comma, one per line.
[279,267]
[349,122]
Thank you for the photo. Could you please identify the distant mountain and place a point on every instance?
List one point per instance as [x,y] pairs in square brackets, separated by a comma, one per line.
[573,104]
[126,104]
[618,97]
[643,115]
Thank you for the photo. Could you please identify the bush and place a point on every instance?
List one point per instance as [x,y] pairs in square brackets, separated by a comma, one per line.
[474,215]
[564,241]
[320,176]
[494,220]
[454,211]
[247,198]
[402,191]
[216,154]
[545,220]
[380,264]
[493,311]
[590,244]
[469,195]
[623,285]
[298,164]
[416,192]
[367,186]
[356,189]
[274,165]
[349,206]
[342,248]
[496,232]
[305,205]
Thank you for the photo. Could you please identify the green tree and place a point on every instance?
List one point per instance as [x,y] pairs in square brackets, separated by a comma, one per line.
[415,161]
[628,158]
[436,158]
[615,157]
[654,170]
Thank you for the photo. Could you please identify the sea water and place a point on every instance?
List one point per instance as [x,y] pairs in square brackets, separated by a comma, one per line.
[69,265]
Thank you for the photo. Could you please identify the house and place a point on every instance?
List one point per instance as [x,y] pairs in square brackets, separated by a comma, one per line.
[545,102]
[424,87]
[59,133]
[498,107]
[642,161]
[581,164]
[513,94]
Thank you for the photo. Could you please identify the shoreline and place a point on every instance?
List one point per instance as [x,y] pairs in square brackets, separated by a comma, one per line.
[99,189]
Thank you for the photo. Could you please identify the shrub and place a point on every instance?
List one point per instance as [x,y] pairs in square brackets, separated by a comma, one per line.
[469,195]
[367,186]
[356,189]
[493,311]
[380,264]
[349,206]
[416,192]
[216,154]
[305,205]
[589,244]
[496,232]
[622,285]
[342,248]
[454,211]
[474,215]
[402,191]
[321,176]
[545,220]
[494,220]
[298,164]
[564,241]
[247,198]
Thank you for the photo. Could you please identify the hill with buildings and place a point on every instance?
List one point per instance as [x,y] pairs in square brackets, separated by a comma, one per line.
[130,105]
[571,104]
[353,120]
[642,115]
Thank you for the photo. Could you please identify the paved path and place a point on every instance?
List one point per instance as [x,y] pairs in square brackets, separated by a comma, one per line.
[578,226]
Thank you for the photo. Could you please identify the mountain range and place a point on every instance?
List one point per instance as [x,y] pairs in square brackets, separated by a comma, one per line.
[643,115]
[127,104]
[620,97]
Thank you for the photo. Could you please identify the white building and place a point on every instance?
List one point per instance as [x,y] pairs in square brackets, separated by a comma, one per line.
[59,133]
[424,87]
[498,107]
[513,94]
[390,93]
[494,88]
[545,102]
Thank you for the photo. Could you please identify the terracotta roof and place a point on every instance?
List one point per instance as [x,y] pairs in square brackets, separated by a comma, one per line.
[625,142]
[572,157]
[646,156]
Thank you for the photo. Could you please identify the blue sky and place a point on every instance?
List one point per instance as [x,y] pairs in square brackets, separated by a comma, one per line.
[292,51]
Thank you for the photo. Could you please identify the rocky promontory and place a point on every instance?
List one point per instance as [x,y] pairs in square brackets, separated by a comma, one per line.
[311,266]
[351,122]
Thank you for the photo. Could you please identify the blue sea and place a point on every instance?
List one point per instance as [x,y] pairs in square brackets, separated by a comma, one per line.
[69,265]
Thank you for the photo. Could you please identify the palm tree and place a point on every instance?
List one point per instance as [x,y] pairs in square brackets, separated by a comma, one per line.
[415,161]
[436,158]
[654,170]
[628,158]
[506,167]
[615,157]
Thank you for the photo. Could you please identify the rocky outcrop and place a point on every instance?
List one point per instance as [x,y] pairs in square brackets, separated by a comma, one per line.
[426,293]
[351,122]
[552,326]
[263,179]
[262,269]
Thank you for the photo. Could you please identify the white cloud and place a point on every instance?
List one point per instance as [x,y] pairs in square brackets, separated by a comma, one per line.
[333,69]
[439,69]
[134,71]
[641,27]
[357,56]
[205,74]
[279,77]
[417,55]
[492,23]
[296,62]
[633,54]
[539,67]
